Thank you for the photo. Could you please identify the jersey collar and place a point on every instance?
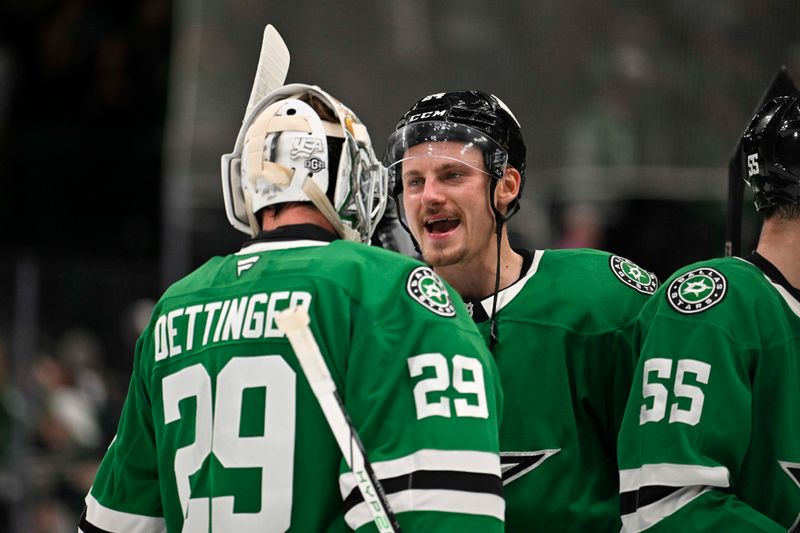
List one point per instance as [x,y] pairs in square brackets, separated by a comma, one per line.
[291,236]
[774,275]
[480,309]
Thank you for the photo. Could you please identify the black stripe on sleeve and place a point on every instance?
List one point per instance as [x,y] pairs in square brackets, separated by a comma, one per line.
[630,501]
[434,479]
[86,527]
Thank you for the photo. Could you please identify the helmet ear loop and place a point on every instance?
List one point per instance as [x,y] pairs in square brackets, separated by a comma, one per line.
[255,227]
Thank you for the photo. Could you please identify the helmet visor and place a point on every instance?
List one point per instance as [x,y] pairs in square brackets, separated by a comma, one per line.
[445,140]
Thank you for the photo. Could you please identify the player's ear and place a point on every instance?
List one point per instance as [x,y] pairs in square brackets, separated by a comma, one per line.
[507,188]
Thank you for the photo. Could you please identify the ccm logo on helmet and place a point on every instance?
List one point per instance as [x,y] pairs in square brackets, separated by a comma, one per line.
[752,165]
[427,114]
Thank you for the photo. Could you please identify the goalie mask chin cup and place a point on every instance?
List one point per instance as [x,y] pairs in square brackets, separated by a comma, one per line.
[281,155]
[771,153]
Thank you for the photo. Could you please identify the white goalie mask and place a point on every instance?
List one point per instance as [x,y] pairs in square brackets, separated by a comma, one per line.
[281,155]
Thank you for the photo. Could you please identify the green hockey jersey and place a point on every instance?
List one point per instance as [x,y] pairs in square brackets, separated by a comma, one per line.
[565,359]
[221,432]
[710,440]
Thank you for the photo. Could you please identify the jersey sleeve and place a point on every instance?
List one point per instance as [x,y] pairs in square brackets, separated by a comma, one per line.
[125,495]
[686,427]
[423,392]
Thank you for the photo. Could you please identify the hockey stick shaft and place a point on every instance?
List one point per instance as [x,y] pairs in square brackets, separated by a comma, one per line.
[780,84]
[294,322]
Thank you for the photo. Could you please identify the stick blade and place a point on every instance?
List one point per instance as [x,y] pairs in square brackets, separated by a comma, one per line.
[273,66]
[781,84]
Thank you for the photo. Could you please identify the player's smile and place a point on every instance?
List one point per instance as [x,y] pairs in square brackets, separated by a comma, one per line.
[445,195]
[440,226]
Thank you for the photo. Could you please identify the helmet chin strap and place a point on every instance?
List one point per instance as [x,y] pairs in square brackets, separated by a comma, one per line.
[277,174]
[500,220]
[321,202]
[255,227]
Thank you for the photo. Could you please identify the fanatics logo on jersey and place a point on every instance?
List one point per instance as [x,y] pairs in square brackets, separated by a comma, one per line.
[697,290]
[426,288]
[244,265]
[633,275]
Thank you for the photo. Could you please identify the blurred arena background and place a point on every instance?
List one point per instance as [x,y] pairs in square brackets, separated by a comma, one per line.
[113,116]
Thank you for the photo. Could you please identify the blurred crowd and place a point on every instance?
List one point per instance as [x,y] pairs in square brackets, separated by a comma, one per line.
[82,101]
[58,413]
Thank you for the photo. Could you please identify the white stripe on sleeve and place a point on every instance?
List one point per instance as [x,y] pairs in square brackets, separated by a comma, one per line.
[111,520]
[672,475]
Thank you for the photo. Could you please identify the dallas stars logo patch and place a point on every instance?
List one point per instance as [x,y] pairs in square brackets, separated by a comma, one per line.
[793,471]
[633,275]
[514,465]
[697,290]
[426,288]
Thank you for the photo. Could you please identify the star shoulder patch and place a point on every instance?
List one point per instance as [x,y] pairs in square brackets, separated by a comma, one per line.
[697,290]
[633,275]
[425,287]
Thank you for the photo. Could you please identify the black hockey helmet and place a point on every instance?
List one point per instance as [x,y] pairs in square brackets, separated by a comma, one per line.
[771,152]
[469,116]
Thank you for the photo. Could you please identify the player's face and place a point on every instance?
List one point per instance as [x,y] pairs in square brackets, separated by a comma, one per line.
[446,201]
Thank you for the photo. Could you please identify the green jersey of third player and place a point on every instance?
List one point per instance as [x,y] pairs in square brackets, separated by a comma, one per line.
[711,437]
[566,362]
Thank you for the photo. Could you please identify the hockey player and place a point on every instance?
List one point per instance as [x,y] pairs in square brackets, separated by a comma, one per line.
[220,430]
[710,440]
[559,321]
